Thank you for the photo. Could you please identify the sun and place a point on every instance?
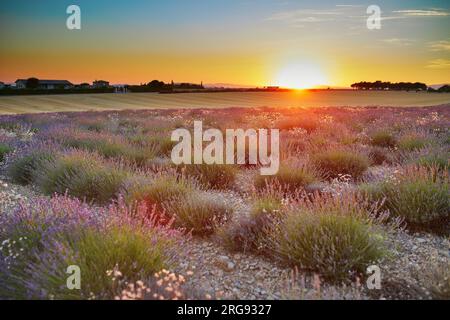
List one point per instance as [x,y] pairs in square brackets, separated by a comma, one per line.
[300,76]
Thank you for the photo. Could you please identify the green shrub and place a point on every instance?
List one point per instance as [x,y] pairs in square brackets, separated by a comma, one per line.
[200,213]
[440,160]
[137,253]
[4,150]
[332,238]
[23,170]
[419,195]
[104,257]
[12,126]
[93,143]
[49,235]
[348,139]
[215,176]
[156,191]
[412,142]
[380,156]
[383,139]
[83,176]
[336,162]
[110,147]
[163,145]
[266,205]
[289,178]
[141,156]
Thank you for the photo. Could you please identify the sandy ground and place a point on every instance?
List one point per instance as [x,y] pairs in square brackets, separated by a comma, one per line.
[111,101]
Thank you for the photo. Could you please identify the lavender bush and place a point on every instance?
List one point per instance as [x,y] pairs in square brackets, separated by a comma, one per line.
[41,239]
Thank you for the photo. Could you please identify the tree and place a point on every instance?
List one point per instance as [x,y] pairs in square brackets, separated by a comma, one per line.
[156,84]
[32,83]
[445,88]
[380,85]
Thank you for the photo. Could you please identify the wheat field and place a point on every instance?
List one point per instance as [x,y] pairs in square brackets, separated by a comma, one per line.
[85,102]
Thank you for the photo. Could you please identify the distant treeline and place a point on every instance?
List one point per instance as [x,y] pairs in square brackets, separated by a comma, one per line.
[445,88]
[397,86]
[160,86]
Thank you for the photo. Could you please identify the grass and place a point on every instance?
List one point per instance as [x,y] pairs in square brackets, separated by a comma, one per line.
[383,139]
[412,142]
[154,192]
[266,205]
[215,176]
[81,175]
[4,150]
[339,162]
[335,237]
[162,145]
[24,169]
[109,146]
[200,213]
[136,252]
[419,195]
[434,158]
[288,178]
[49,236]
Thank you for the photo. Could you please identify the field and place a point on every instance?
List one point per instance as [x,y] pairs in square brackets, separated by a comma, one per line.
[357,189]
[85,102]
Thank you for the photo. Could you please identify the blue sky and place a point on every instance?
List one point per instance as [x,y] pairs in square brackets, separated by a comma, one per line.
[244,41]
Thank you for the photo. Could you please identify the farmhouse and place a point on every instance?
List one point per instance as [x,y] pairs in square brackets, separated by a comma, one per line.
[46,84]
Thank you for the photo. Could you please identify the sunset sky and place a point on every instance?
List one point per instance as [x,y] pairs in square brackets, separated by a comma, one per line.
[248,42]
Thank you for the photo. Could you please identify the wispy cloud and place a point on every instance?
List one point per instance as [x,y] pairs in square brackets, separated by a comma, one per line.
[439,64]
[349,13]
[423,13]
[298,18]
[399,41]
[349,5]
[443,45]
[296,15]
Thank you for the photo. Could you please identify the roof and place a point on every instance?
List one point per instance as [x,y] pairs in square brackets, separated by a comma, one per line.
[55,82]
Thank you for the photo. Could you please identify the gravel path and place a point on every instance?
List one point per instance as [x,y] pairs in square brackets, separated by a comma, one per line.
[231,276]
[11,195]
[414,258]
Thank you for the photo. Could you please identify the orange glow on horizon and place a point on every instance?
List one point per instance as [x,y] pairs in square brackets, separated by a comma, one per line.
[304,75]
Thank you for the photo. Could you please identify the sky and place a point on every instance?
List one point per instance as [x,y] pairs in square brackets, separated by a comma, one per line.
[246,42]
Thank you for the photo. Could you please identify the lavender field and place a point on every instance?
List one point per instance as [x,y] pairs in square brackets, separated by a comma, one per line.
[357,188]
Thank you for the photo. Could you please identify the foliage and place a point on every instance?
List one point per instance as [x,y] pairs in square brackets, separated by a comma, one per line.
[339,162]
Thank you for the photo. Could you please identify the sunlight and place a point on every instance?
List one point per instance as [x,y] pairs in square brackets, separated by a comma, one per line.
[300,76]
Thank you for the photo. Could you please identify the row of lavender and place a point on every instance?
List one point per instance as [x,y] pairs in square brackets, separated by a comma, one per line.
[349,178]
